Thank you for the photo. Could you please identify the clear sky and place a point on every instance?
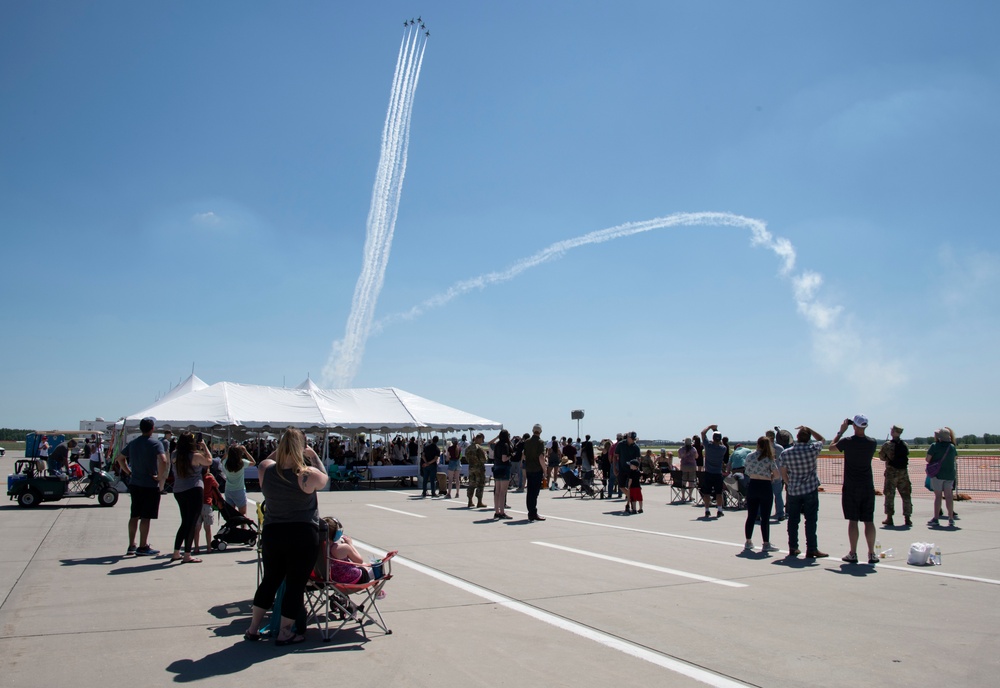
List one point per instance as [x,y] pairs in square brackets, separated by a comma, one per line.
[188,183]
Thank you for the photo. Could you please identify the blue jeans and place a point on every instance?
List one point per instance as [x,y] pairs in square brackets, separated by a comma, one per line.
[777,487]
[610,480]
[806,505]
[429,474]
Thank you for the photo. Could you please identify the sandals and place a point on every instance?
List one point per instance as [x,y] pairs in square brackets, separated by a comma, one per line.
[251,637]
[290,640]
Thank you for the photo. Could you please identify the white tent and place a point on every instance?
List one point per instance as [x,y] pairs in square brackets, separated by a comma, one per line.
[259,408]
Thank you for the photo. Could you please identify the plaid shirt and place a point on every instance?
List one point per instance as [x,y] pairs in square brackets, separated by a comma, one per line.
[800,462]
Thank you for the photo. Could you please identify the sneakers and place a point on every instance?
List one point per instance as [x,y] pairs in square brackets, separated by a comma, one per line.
[888,522]
[951,523]
[872,559]
[748,546]
[816,554]
[146,551]
[850,558]
[795,551]
[907,521]
[719,514]
[708,514]
[640,511]
[130,552]
[933,523]
[768,547]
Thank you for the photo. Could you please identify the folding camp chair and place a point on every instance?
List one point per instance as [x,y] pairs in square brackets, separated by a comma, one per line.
[677,486]
[734,497]
[329,601]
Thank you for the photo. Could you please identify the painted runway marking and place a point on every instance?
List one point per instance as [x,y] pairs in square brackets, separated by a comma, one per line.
[932,572]
[641,565]
[670,663]
[396,511]
[638,530]
[906,569]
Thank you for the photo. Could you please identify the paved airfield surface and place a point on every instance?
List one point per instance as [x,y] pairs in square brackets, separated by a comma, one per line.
[589,597]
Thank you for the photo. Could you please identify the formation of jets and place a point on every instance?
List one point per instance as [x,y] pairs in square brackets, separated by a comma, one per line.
[418,20]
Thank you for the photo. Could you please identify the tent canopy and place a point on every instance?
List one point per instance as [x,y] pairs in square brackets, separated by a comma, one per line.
[260,408]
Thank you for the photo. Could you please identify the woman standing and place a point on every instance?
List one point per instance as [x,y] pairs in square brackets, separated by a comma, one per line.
[604,463]
[502,451]
[554,457]
[289,479]
[761,469]
[237,460]
[189,491]
[941,460]
[454,476]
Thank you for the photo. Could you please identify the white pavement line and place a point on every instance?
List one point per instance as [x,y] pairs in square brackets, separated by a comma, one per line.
[907,569]
[638,530]
[932,572]
[639,652]
[639,564]
[396,511]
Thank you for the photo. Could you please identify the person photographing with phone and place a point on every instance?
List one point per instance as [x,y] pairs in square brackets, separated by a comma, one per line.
[858,497]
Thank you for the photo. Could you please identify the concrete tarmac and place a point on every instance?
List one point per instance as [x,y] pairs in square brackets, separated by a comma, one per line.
[588,597]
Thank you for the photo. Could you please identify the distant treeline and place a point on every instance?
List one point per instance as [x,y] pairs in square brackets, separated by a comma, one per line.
[964,439]
[987,438]
[13,434]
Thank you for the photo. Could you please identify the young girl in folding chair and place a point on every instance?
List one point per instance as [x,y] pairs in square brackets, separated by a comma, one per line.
[346,563]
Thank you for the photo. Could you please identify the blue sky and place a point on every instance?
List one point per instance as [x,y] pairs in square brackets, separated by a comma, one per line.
[189,183]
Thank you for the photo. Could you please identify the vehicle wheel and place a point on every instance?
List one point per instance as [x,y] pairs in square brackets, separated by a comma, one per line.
[108,497]
[222,545]
[29,498]
[252,541]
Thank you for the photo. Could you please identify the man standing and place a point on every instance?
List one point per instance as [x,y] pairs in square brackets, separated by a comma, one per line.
[715,463]
[476,456]
[798,469]
[428,467]
[896,455]
[624,454]
[59,458]
[145,461]
[534,466]
[858,497]
[779,443]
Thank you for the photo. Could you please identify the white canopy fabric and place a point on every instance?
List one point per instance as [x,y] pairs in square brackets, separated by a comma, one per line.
[192,384]
[256,407]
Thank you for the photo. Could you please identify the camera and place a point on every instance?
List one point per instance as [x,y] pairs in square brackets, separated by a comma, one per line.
[849,421]
[198,437]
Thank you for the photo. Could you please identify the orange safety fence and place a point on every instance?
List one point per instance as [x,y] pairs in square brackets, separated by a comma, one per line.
[978,476]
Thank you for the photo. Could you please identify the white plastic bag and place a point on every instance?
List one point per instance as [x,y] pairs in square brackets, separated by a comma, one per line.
[920,553]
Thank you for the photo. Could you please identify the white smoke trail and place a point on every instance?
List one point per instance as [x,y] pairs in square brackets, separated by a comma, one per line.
[760,237]
[345,356]
[835,343]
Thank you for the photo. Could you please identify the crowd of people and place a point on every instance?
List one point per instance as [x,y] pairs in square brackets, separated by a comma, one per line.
[777,477]
[779,469]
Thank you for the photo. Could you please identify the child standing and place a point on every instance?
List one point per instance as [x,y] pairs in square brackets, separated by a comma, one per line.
[633,482]
[212,498]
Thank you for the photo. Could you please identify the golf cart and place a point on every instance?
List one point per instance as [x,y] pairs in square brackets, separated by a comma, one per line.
[30,485]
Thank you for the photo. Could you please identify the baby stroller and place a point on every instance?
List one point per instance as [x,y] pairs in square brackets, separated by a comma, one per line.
[236,530]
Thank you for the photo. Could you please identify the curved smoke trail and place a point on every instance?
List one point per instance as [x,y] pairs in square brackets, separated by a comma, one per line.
[346,353]
[835,341]
[758,229]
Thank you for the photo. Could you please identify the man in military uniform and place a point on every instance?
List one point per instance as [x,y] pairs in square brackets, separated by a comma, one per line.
[896,455]
[476,456]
